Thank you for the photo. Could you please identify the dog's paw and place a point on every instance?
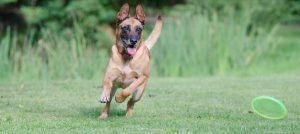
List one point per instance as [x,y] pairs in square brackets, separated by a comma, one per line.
[104,99]
[129,113]
[103,116]
[120,98]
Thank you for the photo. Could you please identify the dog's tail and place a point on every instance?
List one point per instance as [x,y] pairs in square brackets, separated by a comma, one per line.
[154,34]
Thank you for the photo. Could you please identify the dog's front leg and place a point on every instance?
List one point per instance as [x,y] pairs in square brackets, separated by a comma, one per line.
[107,87]
[106,97]
[107,83]
[120,97]
[108,92]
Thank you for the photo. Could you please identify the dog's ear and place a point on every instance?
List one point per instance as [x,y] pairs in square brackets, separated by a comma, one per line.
[139,13]
[123,13]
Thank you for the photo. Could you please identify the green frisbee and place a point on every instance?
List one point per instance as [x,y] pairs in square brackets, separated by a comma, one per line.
[268,107]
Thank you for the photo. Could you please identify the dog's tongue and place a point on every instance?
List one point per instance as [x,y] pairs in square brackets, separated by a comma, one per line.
[131,51]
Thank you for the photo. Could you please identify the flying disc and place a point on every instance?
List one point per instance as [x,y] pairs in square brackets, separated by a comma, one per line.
[268,107]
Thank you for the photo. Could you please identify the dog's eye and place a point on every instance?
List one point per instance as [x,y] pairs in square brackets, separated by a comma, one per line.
[139,30]
[126,29]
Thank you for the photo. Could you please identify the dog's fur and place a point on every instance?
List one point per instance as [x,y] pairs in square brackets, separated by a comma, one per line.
[129,65]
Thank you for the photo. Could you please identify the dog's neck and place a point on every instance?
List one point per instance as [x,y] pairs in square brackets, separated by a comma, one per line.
[126,57]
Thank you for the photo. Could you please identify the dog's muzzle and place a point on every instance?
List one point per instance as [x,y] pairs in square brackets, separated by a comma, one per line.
[130,45]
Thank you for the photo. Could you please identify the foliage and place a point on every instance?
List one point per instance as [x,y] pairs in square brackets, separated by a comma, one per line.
[196,45]
[53,58]
[5,64]
[260,13]
[59,16]
[6,1]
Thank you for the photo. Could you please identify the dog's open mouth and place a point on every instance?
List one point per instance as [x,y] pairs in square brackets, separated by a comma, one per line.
[131,51]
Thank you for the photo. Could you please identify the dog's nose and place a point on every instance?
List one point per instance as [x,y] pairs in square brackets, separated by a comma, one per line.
[133,41]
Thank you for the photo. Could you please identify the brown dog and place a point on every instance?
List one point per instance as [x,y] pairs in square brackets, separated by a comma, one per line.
[129,65]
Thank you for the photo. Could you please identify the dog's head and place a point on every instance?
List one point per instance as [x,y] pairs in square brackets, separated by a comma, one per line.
[129,29]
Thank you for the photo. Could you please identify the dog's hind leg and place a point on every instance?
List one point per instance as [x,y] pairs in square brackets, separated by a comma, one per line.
[105,111]
[136,96]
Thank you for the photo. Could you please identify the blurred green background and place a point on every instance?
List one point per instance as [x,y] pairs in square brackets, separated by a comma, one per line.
[71,39]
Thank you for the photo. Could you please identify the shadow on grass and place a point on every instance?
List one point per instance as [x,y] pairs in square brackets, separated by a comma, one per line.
[94,112]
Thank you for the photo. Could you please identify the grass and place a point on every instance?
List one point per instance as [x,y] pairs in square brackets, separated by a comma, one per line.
[52,57]
[282,57]
[198,45]
[169,105]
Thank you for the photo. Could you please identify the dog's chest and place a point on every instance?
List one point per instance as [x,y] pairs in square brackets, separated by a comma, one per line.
[127,76]
[127,70]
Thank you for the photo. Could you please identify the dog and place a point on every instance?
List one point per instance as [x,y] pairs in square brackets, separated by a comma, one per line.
[129,64]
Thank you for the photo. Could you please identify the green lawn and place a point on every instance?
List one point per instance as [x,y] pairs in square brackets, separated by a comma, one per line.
[202,105]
